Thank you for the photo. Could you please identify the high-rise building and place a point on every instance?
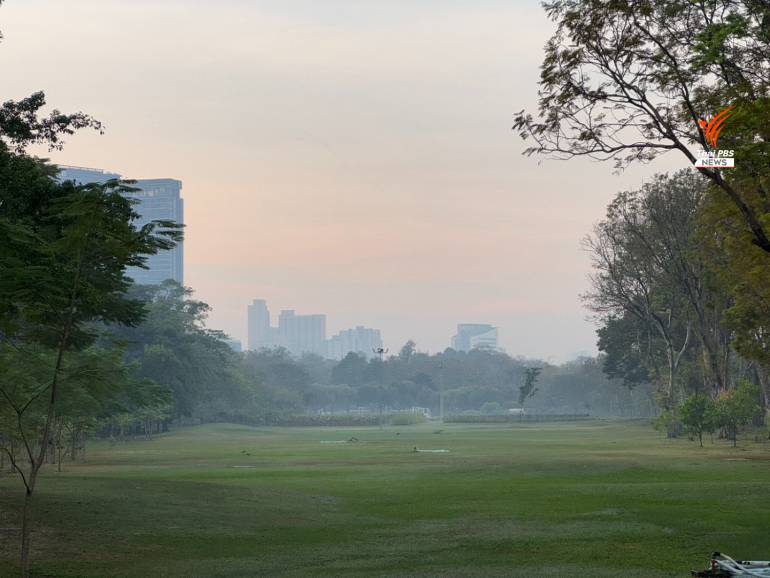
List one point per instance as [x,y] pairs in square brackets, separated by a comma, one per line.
[260,330]
[302,334]
[297,333]
[83,175]
[475,336]
[157,199]
[359,340]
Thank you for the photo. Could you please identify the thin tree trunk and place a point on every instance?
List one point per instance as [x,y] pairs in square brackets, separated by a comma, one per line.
[37,463]
[26,527]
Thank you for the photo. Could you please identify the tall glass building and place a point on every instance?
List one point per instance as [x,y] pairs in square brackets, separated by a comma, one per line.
[158,199]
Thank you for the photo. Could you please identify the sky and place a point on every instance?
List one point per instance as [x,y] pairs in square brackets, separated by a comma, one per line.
[347,157]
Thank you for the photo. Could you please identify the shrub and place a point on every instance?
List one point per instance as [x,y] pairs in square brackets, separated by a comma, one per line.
[341,420]
[737,407]
[407,418]
[669,423]
[492,408]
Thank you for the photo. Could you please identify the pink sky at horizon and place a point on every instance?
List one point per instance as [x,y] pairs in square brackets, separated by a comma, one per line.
[351,157]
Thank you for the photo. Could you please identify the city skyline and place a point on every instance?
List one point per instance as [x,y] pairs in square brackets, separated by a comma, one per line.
[306,333]
[374,177]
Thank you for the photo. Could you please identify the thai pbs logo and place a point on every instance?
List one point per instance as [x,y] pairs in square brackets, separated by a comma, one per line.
[714,157]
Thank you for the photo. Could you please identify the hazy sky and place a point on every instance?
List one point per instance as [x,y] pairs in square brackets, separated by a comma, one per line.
[347,157]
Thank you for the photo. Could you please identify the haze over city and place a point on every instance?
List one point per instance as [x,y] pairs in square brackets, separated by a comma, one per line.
[298,288]
[348,158]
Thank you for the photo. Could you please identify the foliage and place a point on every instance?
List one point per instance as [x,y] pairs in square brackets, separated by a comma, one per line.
[520,418]
[491,408]
[407,418]
[529,390]
[698,415]
[173,347]
[627,81]
[327,420]
[65,250]
[736,408]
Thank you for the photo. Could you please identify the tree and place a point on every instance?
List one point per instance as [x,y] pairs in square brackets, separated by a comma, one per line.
[653,264]
[63,271]
[407,351]
[698,415]
[740,271]
[736,408]
[491,408]
[632,277]
[627,81]
[630,350]
[350,370]
[173,347]
[528,390]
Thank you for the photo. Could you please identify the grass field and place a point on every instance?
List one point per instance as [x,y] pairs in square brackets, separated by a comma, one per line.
[594,499]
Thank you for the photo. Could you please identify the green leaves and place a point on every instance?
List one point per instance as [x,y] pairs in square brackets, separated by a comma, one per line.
[21,125]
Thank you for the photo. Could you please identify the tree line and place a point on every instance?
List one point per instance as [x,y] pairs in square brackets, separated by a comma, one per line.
[682,264]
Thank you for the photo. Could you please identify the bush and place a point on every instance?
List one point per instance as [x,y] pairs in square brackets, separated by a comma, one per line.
[737,407]
[407,418]
[341,420]
[669,423]
[505,418]
[492,408]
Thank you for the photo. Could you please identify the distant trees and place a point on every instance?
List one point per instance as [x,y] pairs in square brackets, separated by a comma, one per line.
[529,389]
[472,381]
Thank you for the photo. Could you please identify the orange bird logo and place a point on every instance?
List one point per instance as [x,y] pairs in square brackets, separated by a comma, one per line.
[712,128]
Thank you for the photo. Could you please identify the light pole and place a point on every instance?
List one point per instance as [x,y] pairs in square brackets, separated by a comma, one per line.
[441,390]
[380,352]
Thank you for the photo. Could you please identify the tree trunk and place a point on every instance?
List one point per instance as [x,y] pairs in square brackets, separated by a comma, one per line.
[26,525]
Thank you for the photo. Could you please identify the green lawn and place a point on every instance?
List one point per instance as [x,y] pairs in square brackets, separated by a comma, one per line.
[596,499]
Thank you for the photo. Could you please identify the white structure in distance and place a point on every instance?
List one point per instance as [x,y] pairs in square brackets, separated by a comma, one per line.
[301,334]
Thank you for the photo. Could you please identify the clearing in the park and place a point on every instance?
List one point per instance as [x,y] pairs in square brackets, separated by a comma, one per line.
[592,499]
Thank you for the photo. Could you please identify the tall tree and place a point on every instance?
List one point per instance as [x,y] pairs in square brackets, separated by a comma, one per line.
[631,278]
[629,80]
[64,268]
[173,347]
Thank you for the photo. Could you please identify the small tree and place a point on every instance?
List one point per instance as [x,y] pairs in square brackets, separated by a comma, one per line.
[491,408]
[737,407]
[528,390]
[697,414]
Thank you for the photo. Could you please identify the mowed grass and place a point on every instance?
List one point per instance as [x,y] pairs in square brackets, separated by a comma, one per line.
[598,499]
